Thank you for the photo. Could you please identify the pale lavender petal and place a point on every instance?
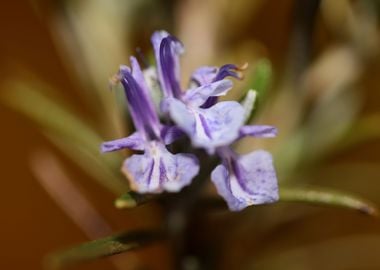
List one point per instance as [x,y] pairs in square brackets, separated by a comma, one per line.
[249,180]
[169,134]
[208,128]
[180,114]
[156,40]
[134,142]
[261,131]
[198,96]
[158,170]
[204,75]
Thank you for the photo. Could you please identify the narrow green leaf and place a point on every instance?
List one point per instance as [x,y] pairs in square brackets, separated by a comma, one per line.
[104,247]
[93,164]
[71,134]
[327,197]
[256,92]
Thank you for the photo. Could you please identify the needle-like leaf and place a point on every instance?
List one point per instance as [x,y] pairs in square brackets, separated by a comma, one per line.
[326,197]
[100,248]
[71,134]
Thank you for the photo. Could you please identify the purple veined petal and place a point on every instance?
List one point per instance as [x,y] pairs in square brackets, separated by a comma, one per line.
[140,79]
[145,92]
[208,128]
[198,96]
[228,70]
[167,50]
[204,75]
[248,180]
[140,102]
[261,131]
[170,50]
[207,74]
[134,142]
[158,170]
[156,40]
[169,134]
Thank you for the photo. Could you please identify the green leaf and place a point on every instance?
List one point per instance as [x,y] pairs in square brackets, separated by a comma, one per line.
[255,94]
[104,247]
[327,197]
[93,164]
[262,77]
[65,129]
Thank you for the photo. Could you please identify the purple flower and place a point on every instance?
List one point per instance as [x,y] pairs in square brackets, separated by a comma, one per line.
[155,170]
[208,125]
[242,180]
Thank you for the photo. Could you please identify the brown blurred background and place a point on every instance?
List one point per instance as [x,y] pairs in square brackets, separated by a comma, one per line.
[32,224]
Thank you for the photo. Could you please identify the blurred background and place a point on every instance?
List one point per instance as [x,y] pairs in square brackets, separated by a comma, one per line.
[319,70]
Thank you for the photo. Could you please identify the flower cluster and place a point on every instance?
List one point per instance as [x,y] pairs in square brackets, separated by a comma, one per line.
[242,180]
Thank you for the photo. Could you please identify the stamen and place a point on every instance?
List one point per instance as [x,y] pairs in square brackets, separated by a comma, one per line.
[243,67]
[114,81]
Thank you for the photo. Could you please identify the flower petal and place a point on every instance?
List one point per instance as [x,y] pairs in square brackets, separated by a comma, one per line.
[261,131]
[198,96]
[249,180]
[204,75]
[156,40]
[208,128]
[248,104]
[134,142]
[140,103]
[158,170]
[223,72]
[169,134]
[167,51]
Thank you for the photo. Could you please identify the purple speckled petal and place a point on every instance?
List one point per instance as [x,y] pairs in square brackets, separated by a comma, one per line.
[204,75]
[261,131]
[134,142]
[198,96]
[169,134]
[247,180]
[158,170]
[208,128]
